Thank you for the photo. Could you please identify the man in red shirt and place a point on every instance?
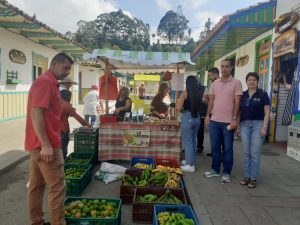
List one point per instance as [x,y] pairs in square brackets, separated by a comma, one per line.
[42,140]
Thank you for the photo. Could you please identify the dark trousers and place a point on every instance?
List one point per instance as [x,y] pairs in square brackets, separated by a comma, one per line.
[64,144]
[200,135]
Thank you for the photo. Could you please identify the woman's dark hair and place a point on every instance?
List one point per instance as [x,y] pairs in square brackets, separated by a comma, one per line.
[66,95]
[193,95]
[252,74]
[161,90]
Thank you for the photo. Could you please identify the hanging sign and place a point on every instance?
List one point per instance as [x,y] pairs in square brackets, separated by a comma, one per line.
[242,61]
[265,47]
[285,43]
[136,138]
[285,21]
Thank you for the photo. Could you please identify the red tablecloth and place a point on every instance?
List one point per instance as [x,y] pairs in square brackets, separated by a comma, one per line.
[163,143]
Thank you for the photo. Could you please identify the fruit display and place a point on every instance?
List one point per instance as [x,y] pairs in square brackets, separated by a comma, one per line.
[91,208]
[77,161]
[173,181]
[158,179]
[167,169]
[142,180]
[142,166]
[166,218]
[74,172]
[166,198]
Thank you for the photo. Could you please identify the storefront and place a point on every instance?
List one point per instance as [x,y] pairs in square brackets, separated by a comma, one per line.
[285,80]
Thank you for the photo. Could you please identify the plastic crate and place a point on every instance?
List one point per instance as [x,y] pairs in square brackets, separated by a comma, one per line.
[85,142]
[294,137]
[127,191]
[91,158]
[108,119]
[167,162]
[148,161]
[185,209]
[95,221]
[142,212]
[75,186]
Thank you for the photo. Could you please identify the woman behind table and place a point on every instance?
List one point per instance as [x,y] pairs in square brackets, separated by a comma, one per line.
[158,106]
[188,104]
[66,111]
[254,118]
[123,103]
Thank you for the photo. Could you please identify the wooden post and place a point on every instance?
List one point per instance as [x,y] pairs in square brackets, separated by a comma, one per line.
[176,93]
[106,86]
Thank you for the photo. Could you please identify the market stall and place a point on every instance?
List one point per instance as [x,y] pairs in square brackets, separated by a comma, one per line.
[122,141]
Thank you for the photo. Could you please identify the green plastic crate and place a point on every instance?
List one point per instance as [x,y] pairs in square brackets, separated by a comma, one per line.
[90,157]
[85,142]
[75,186]
[95,221]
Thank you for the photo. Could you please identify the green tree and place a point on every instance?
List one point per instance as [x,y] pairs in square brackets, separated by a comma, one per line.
[207,29]
[189,46]
[123,31]
[172,27]
[87,34]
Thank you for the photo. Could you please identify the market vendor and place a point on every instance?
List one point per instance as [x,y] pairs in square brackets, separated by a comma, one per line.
[123,103]
[159,105]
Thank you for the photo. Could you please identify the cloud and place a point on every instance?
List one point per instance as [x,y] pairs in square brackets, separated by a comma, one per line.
[201,18]
[63,15]
[164,4]
[193,4]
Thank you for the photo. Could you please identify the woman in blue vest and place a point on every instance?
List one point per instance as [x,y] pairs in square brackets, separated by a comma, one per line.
[254,118]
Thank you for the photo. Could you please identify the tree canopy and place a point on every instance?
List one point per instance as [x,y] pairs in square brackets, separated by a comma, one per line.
[172,27]
[123,31]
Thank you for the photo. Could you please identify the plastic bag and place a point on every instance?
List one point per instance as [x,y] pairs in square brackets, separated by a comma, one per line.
[109,172]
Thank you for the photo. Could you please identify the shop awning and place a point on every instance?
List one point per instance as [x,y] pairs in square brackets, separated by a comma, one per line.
[16,21]
[131,59]
[233,31]
[143,77]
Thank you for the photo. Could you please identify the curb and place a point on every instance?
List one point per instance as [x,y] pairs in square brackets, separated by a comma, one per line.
[12,158]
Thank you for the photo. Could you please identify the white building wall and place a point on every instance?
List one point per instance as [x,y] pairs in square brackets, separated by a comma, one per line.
[247,49]
[9,41]
[90,75]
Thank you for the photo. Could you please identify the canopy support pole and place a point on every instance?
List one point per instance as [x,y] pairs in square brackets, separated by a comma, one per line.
[106,86]
[176,93]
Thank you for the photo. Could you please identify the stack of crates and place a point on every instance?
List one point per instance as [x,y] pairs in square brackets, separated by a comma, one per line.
[86,142]
[293,148]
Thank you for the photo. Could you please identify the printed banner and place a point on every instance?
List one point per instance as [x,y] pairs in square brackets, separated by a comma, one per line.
[136,138]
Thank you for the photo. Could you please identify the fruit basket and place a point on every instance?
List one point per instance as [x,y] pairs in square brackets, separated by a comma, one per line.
[92,211]
[142,163]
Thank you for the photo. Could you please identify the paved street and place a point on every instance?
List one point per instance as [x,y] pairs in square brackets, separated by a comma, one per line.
[275,201]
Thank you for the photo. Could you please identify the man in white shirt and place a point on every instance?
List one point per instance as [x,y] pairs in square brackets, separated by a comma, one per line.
[91,103]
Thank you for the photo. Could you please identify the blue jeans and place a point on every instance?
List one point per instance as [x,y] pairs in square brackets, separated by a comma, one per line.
[87,119]
[219,135]
[64,143]
[189,130]
[252,142]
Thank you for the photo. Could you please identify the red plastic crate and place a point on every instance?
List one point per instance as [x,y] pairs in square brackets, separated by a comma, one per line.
[167,162]
[108,119]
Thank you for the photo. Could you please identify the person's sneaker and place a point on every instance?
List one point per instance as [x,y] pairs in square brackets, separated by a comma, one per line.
[183,162]
[211,173]
[252,184]
[225,178]
[208,154]
[245,181]
[188,168]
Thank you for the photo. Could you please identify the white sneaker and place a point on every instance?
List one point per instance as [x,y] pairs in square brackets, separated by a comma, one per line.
[183,162]
[27,185]
[225,178]
[188,168]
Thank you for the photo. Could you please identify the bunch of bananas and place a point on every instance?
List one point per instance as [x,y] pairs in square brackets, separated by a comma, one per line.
[135,180]
[142,166]
[173,181]
[146,174]
[165,218]
[159,179]
[168,169]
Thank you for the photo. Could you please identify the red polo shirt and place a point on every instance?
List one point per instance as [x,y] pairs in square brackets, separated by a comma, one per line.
[44,93]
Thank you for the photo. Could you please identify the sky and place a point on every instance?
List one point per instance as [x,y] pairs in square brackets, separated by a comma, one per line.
[63,15]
